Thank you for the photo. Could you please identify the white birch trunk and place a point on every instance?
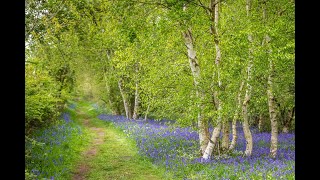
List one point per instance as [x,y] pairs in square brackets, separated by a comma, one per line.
[246,128]
[272,113]
[125,100]
[214,6]
[225,135]
[234,122]
[146,115]
[195,69]
[136,94]
[136,103]
[260,122]
[271,98]
[213,141]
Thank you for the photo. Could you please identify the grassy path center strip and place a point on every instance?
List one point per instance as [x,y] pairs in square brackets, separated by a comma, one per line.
[111,155]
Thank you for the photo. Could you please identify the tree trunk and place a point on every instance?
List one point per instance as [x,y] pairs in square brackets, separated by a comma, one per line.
[146,115]
[225,135]
[234,122]
[288,121]
[195,69]
[125,100]
[214,6]
[136,103]
[212,142]
[246,128]
[271,98]
[203,132]
[260,123]
[272,113]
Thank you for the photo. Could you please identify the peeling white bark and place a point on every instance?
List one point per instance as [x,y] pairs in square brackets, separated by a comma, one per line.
[212,142]
[125,100]
[136,102]
[195,69]
[214,6]
[234,122]
[225,135]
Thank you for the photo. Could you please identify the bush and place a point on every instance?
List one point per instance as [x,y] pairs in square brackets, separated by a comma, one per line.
[42,102]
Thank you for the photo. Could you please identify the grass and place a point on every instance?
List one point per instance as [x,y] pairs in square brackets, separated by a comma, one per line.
[176,150]
[57,148]
[117,157]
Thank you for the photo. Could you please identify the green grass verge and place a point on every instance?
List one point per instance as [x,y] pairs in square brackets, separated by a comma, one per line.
[117,157]
[57,148]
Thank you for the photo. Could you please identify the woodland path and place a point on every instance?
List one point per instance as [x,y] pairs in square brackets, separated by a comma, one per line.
[111,155]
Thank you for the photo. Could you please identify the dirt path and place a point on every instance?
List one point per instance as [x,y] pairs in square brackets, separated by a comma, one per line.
[111,155]
[83,168]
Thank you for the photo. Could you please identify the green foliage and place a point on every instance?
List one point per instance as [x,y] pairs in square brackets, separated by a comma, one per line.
[89,46]
[41,103]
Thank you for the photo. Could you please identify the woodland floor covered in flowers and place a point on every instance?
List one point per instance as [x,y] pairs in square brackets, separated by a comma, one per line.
[177,149]
[57,150]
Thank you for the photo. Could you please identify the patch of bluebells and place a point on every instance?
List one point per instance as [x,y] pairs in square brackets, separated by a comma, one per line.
[48,159]
[66,117]
[178,150]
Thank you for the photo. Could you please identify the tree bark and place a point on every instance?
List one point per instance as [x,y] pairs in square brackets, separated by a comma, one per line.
[288,121]
[271,98]
[212,142]
[260,123]
[136,103]
[225,135]
[235,117]
[125,100]
[195,69]
[214,6]
[272,112]
[246,128]
[146,115]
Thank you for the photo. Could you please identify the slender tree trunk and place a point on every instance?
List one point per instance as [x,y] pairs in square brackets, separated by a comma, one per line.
[285,128]
[136,94]
[225,137]
[214,6]
[272,107]
[125,100]
[212,142]
[246,128]
[288,121]
[136,103]
[195,69]
[272,112]
[146,115]
[260,123]
[234,122]
[271,98]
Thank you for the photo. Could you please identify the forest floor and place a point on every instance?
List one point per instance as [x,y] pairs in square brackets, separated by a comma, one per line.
[110,155]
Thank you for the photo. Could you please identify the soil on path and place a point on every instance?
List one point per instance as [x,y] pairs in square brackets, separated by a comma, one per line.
[111,155]
[83,168]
